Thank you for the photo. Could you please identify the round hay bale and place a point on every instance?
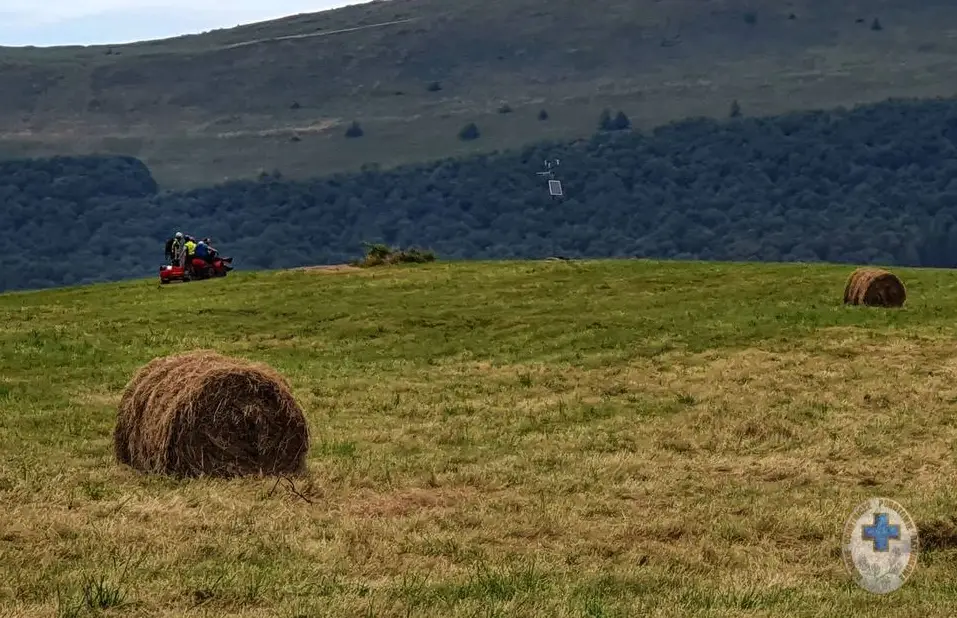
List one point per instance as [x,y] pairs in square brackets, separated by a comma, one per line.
[850,286]
[874,287]
[204,414]
[851,290]
[137,398]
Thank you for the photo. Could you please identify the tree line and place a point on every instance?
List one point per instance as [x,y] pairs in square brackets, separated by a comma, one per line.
[873,184]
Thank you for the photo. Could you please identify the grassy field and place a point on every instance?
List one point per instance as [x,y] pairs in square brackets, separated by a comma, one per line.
[614,438]
[281,94]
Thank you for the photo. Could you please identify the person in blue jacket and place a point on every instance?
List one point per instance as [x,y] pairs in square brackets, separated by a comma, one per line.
[202,250]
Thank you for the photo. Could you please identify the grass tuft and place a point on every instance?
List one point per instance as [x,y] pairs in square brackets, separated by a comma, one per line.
[378,254]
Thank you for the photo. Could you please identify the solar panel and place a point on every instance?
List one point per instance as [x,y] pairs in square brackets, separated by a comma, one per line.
[555,187]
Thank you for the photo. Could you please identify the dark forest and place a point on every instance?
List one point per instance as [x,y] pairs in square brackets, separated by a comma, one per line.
[875,184]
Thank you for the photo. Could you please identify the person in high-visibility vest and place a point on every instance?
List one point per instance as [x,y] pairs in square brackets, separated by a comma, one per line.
[173,248]
[189,249]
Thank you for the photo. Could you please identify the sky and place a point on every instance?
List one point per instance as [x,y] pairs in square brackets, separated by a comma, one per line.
[96,22]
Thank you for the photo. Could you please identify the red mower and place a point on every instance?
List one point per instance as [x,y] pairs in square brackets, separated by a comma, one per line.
[201,269]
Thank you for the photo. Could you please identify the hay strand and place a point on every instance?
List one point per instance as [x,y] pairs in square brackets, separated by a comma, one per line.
[202,413]
[874,287]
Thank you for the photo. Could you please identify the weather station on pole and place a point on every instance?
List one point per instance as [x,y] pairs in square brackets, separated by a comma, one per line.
[554,185]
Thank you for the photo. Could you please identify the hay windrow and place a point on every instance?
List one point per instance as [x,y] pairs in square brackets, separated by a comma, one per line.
[202,413]
[874,287]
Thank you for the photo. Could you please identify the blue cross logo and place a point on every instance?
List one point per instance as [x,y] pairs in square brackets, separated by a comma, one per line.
[881,532]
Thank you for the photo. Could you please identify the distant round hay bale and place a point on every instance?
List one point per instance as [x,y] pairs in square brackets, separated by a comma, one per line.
[202,413]
[851,289]
[874,287]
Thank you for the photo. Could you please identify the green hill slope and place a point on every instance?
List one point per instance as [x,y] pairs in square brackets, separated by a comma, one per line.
[281,94]
[579,439]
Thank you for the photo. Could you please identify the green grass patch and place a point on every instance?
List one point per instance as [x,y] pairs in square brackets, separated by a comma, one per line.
[583,438]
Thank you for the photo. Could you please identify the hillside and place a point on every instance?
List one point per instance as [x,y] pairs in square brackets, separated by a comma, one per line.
[538,439]
[869,185]
[281,95]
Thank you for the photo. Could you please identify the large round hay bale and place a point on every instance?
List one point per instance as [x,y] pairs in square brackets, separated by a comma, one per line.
[874,287]
[202,413]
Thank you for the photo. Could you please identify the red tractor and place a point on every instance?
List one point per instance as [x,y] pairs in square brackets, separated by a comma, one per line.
[200,269]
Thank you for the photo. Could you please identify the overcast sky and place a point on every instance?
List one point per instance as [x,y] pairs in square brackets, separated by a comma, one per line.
[91,22]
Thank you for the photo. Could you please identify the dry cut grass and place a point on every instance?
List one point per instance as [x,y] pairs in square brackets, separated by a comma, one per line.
[493,440]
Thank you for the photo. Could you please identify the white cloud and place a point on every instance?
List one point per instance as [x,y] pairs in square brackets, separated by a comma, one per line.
[88,22]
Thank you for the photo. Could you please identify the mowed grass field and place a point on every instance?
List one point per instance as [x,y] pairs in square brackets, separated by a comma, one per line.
[609,438]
